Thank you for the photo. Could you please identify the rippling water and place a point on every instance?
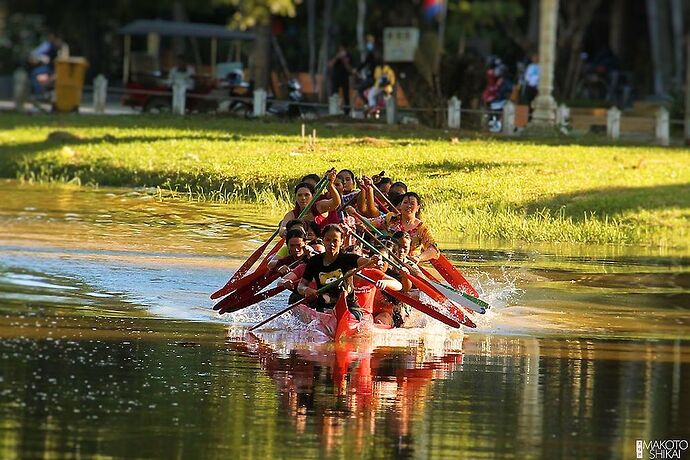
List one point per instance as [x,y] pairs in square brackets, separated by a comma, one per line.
[109,347]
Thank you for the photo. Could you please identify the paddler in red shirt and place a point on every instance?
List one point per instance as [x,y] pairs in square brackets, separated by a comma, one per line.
[368,294]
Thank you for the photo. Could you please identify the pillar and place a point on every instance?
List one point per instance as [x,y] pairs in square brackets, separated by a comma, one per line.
[259,103]
[100,93]
[179,90]
[613,123]
[454,107]
[544,114]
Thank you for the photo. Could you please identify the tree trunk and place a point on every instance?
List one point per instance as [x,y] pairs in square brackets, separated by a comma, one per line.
[180,14]
[311,34]
[570,85]
[361,19]
[577,15]
[687,90]
[261,54]
[655,45]
[666,36]
[439,56]
[325,45]
[533,25]
[3,17]
[678,45]
[616,29]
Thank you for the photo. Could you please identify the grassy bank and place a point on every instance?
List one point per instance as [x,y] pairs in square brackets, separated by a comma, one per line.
[515,190]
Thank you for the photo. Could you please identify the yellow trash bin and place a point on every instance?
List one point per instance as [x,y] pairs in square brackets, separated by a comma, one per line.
[69,82]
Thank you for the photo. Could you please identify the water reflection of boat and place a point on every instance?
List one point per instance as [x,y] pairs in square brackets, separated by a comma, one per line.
[338,324]
[344,390]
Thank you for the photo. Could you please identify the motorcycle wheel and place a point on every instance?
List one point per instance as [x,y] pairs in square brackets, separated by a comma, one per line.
[495,125]
[158,105]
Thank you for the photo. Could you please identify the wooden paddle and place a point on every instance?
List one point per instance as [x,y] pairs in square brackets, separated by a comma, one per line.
[445,268]
[244,268]
[424,308]
[251,300]
[436,291]
[240,283]
[245,295]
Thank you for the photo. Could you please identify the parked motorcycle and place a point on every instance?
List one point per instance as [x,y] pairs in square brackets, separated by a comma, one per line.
[381,98]
[294,106]
[496,94]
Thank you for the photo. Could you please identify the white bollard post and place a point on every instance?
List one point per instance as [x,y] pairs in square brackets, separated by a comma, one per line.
[100,93]
[390,110]
[563,118]
[20,88]
[454,106]
[663,126]
[509,118]
[259,102]
[334,104]
[179,89]
[613,123]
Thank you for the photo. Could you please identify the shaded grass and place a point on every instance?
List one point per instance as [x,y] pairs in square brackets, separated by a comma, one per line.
[475,188]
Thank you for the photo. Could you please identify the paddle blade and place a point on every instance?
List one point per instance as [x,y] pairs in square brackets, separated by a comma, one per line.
[232,307]
[426,309]
[249,280]
[244,268]
[461,299]
[255,282]
[439,297]
[426,288]
[428,274]
[451,274]
[246,291]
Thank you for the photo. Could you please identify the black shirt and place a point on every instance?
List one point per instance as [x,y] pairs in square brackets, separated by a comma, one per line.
[341,70]
[324,274]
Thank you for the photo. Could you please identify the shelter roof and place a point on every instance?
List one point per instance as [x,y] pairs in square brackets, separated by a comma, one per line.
[183,29]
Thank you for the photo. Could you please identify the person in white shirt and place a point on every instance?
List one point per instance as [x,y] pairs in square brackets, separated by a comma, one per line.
[532,81]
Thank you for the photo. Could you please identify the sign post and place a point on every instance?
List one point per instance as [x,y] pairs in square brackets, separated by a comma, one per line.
[400,44]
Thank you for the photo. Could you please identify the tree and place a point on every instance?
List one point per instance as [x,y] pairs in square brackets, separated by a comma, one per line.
[252,13]
[325,45]
[472,18]
[575,17]
[257,14]
[311,32]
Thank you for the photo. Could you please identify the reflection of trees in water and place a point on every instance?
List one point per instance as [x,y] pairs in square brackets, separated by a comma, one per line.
[573,398]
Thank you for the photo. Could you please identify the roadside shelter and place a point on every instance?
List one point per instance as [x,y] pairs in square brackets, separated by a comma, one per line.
[154,29]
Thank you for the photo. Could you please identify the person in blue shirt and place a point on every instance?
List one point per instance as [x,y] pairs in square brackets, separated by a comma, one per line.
[42,60]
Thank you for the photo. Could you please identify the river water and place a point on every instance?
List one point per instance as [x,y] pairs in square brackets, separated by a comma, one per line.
[109,347]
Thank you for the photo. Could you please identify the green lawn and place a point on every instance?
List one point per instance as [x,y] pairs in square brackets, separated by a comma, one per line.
[479,188]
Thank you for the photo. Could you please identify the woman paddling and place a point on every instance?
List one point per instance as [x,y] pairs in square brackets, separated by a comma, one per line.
[372,297]
[304,192]
[296,250]
[297,243]
[408,221]
[401,250]
[327,267]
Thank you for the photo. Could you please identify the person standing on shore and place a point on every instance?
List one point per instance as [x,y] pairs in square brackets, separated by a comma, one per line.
[341,69]
[532,81]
